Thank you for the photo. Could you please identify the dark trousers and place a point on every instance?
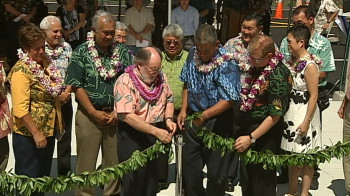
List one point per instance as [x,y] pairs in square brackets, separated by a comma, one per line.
[196,156]
[144,180]
[4,152]
[12,40]
[32,161]
[255,180]
[64,145]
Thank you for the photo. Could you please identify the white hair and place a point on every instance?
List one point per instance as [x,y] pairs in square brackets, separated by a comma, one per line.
[101,13]
[48,21]
[173,30]
[120,26]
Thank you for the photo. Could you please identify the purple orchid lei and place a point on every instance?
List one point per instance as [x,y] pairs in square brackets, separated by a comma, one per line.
[249,93]
[52,82]
[301,63]
[147,95]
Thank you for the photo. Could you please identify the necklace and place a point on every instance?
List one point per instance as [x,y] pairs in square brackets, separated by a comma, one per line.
[54,53]
[51,82]
[300,64]
[152,95]
[214,63]
[250,92]
[104,73]
[241,53]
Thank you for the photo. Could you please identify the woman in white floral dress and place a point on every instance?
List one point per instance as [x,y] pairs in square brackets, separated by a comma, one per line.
[302,121]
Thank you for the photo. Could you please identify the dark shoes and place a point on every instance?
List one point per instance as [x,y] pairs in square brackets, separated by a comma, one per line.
[283,178]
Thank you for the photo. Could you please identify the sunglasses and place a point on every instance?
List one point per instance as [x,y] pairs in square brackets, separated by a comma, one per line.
[169,42]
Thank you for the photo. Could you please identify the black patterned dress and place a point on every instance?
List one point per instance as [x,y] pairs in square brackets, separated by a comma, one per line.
[291,141]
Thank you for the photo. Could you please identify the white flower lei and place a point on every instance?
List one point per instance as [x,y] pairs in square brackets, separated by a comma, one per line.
[241,54]
[214,63]
[104,73]
[54,53]
[52,82]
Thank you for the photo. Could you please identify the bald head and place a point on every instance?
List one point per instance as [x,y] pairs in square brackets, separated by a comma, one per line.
[148,61]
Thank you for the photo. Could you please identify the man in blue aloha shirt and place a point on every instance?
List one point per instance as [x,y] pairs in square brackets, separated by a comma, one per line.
[211,86]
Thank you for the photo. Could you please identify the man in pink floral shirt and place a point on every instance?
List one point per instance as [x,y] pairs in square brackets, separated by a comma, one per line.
[145,107]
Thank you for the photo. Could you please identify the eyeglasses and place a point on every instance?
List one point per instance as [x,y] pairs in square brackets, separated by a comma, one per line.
[257,60]
[172,41]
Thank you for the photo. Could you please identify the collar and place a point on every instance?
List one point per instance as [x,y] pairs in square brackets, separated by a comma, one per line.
[177,57]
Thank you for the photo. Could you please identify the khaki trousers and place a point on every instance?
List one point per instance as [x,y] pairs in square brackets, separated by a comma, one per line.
[90,137]
[346,137]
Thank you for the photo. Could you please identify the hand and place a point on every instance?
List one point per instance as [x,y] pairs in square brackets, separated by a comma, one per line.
[113,118]
[326,25]
[171,126]
[64,97]
[100,117]
[242,143]
[303,128]
[139,37]
[181,119]
[40,139]
[200,120]
[26,19]
[163,135]
[341,112]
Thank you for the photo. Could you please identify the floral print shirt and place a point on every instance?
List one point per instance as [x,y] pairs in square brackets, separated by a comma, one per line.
[60,56]
[30,96]
[5,117]
[319,46]
[274,96]
[82,73]
[327,6]
[129,100]
[23,6]
[206,89]
[172,69]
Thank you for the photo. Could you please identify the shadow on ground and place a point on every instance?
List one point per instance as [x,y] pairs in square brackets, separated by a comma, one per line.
[338,187]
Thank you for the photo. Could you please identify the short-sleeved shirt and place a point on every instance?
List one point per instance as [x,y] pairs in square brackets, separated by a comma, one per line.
[61,61]
[70,19]
[23,6]
[187,19]
[172,69]
[82,73]
[206,89]
[327,6]
[128,99]
[274,101]
[319,46]
[30,96]
[138,21]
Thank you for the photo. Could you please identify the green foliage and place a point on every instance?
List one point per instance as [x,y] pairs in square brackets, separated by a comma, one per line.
[10,183]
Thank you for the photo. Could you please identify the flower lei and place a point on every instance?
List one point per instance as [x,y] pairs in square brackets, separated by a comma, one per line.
[300,64]
[250,92]
[54,53]
[241,54]
[147,95]
[52,82]
[117,65]
[214,63]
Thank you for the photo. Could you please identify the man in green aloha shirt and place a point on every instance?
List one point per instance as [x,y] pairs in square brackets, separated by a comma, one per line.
[93,70]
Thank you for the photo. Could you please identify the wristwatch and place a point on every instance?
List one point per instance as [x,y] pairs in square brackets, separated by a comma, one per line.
[252,140]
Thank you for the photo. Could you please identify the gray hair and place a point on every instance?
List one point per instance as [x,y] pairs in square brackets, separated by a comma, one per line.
[262,42]
[120,26]
[48,21]
[101,13]
[144,54]
[173,30]
[205,34]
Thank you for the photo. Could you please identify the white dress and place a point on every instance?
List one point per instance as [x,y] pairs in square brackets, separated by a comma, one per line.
[291,141]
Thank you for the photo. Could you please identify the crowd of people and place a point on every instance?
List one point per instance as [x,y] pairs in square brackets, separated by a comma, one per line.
[130,94]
